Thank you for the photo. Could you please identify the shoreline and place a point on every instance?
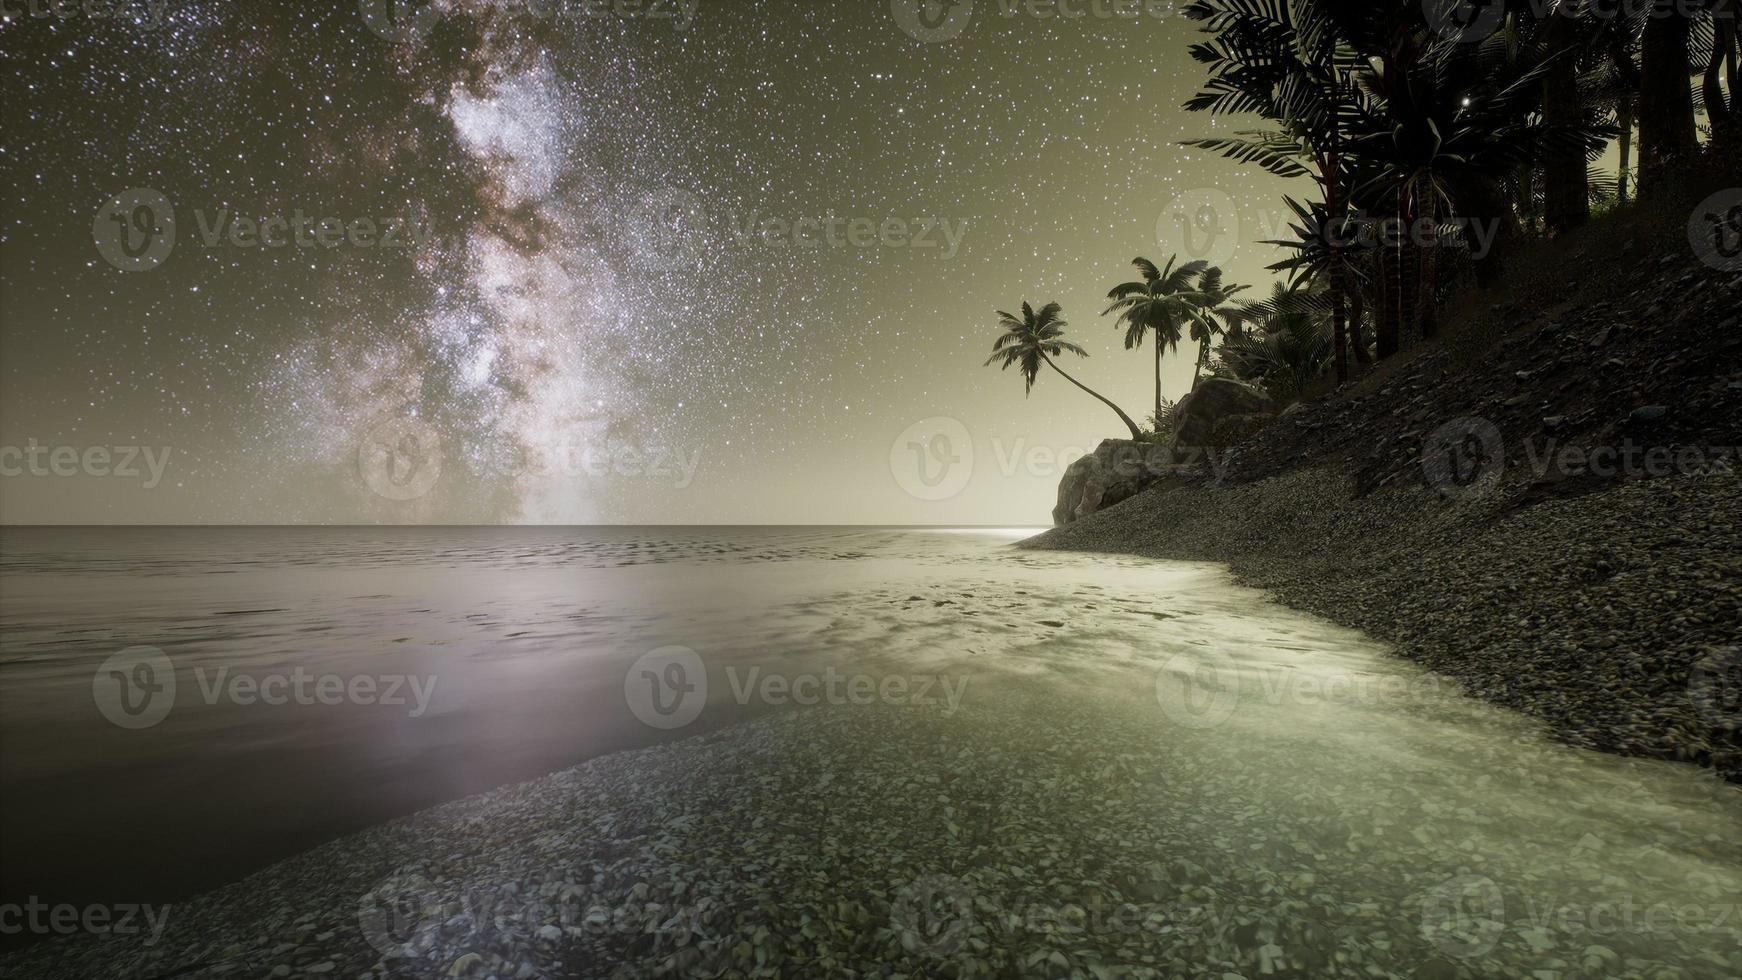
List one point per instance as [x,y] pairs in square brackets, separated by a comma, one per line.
[901,842]
[1079,815]
[1610,616]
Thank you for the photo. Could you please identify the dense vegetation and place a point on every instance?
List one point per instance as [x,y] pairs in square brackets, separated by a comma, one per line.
[1441,138]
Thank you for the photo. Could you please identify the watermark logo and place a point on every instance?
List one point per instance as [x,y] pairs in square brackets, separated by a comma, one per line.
[135,230]
[1715,230]
[401,458]
[665,228]
[1715,688]
[1464,21]
[1198,692]
[932,915]
[135,688]
[397,915]
[400,21]
[1465,458]
[1463,916]
[667,688]
[1201,224]
[669,230]
[933,459]
[931,21]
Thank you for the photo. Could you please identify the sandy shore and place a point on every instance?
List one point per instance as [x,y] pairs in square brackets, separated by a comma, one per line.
[1152,773]
[1040,837]
[1615,617]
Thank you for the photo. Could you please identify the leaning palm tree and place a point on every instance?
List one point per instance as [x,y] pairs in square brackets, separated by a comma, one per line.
[1216,315]
[1035,339]
[1162,302]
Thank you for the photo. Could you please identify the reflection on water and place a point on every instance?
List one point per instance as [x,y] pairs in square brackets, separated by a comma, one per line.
[329,679]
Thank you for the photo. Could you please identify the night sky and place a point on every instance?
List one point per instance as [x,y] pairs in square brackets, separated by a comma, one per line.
[587,317]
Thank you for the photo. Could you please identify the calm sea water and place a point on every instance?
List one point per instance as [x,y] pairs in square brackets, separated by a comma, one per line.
[329,679]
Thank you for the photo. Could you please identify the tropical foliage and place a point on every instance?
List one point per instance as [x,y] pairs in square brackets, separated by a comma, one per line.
[1408,120]
[1433,151]
[1034,339]
[1157,305]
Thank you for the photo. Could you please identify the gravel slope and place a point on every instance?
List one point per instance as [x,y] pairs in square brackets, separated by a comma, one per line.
[1586,568]
[1615,616]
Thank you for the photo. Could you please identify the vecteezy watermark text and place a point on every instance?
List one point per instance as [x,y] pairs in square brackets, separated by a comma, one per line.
[35,459]
[1466,458]
[936,458]
[668,687]
[925,232]
[1203,689]
[1630,460]
[402,457]
[146,13]
[409,21]
[137,229]
[1467,915]
[136,688]
[944,20]
[39,918]
[1470,21]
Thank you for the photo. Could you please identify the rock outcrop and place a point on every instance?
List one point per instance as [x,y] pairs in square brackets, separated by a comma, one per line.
[1217,413]
[1213,400]
[1116,470]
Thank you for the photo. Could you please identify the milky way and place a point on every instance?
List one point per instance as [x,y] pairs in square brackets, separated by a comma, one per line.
[599,326]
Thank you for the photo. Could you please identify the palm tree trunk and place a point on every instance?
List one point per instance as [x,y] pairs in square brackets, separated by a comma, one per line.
[1408,265]
[1667,137]
[1339,310]
[1722,113]
[1430,253]
[1624,116]
[1386,331]
[1136,433]
[1566,178]
[1158,377]
[1358,337]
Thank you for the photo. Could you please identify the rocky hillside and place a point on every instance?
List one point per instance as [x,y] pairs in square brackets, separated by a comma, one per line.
[1547,504]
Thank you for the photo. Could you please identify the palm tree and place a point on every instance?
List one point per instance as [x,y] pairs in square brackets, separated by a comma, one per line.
[1217,315]
[1446,129]
[1310,264]
[1035,339]
[1612,82]
[1291,347]
[1294,63]
[1720,47]
[1159,303]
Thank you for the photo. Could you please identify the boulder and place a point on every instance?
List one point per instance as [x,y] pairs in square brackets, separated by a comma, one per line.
[1116,470]
[1232,430]
[1213,400]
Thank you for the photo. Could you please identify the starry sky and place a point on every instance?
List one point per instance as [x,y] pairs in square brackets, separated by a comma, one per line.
[670,264]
